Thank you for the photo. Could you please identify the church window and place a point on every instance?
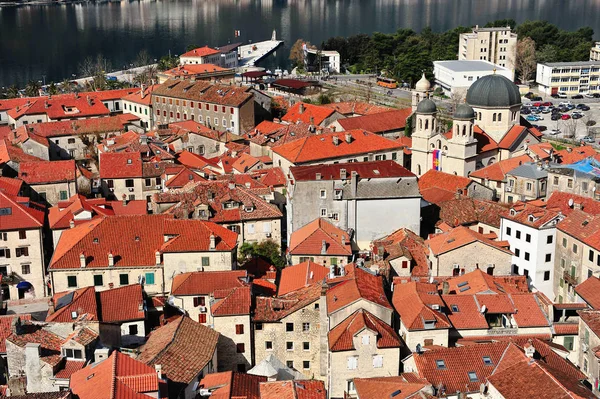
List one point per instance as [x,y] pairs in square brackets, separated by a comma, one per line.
[494,117]
[426,124]
[499,117]
[439,144]
[464,133]
[420,124]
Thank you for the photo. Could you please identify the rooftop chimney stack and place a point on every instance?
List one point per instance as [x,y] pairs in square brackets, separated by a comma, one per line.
[157,257]
[158,369]
[111,259]
[212,242]
[336,140]
[301,108]
[331,271]
[354,182]
[142,93]
[82,260]
[323,247]
[348,138]
[343,174]
[71,223]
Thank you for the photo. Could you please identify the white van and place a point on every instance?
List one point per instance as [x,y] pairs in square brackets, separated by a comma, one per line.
[560,94]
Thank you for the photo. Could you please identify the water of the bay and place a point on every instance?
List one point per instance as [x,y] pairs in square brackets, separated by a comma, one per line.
[47,42]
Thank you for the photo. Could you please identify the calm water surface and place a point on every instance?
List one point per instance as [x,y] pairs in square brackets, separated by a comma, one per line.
[51,40]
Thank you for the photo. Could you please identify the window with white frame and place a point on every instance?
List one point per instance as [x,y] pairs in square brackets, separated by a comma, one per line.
[352,362]
[366,339]
[323,194]
[377,361]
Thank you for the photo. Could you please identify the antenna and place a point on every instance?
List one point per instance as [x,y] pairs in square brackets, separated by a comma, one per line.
[483,309]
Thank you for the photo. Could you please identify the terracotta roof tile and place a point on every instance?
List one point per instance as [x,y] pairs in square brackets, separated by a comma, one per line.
[122,304]
[236,302]
[308,240]
[10,186]
[120,165]
[182,341]
[231,385]
[272,134]
[415,301]
[46,172]
[589,291]
[341,337]
[195,236]
[464,312]
[80,126]
[461,236]
[82,305]
[5,327]
[68,106]
[200,52]
[300,275]
[566,328]
[466,211]
[480,282]
[322,147]
[126,377]
[532,216]
[385,387]
[274,309]
[204,91]
[575,154]
[205,283]
[21,216]
[378,123]
[448,183]
[582,226]
[362,285]
[303,112]
[50,343]
[560,200]
[365,170]
[497,171]
[406,243]
[297,389]
[349,108]
[69,367]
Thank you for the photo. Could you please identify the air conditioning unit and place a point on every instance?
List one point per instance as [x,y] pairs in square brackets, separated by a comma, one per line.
[508,189]
[330,215]
[202,309]
[130,189]
[435,307]
[204,392]
[158,186]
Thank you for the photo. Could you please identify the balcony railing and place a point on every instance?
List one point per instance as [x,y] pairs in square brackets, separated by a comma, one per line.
[570,279]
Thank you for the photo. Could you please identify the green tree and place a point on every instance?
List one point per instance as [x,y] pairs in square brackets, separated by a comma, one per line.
[52,89]
[12,92]
[526,58]
[167,62]
[268,249]
[191,47]
[297,52]
[33,88]
[501,23]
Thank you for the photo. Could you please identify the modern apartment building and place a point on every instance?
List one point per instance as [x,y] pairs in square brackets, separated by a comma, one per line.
[595,52]
[496,45]
[579,77]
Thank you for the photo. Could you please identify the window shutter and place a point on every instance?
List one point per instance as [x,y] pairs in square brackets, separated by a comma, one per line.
[202,301]
[196,302]
[7,252]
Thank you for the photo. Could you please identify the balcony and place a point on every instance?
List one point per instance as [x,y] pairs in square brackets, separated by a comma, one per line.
[9,278]
[570,279]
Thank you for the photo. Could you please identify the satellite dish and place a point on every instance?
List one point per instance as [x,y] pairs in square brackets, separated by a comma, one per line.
[483,309]
[593,189]
[570,202]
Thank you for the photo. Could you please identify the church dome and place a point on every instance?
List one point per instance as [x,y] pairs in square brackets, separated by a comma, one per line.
[423,84]
[493,91]
[426,107]
[464,111]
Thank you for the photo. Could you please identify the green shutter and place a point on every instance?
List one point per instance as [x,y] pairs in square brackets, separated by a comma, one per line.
[149,278]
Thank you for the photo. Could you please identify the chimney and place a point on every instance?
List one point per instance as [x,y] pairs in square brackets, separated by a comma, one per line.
[331,271]
[33,367]
[457,194]
[124,200]
[529,349]
[336,140]
[271,274]
[157,257]
[71,223]
[577,205]
[333,128]
[353,182]
[82,260]
[318,176]
[100,354]
[142,93]
[342,269]
[569,149]
[231,185]
[158,369]
[144,139]
[301,108]
[46,104]
[50,306]
[445,288]
[323,247]
[212,245]
[15,326]
[111,259]
[40,92]
[348,138]
[344,240]
[76,95]
[89,100]
[343,174]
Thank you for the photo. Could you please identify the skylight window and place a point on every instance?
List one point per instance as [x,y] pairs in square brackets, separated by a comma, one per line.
[463,289]
[454,308]
[487,361]
[463,284]
[473,376]
[441,365]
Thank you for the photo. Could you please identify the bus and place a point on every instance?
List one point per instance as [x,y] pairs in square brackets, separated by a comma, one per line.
[387,82]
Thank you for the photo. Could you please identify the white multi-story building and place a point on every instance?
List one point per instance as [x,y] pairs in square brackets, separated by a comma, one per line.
[457,76]
[497,45]
[531,233]
[330,60]
[580,77]
[595,52]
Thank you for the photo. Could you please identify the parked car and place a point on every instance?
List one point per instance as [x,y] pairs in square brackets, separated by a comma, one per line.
[529,95]
[565,103]
[561,95]
[538,98]
[565,117]
[555,132]
[588,139]
[546,110]
[578,106]
[577,115]
[596,95]
[532,118]
[525,111]
[541,128]
[537,104]
[588,95]
[577,96]
[585,108]
[547,104]
[556,117]
[555,95]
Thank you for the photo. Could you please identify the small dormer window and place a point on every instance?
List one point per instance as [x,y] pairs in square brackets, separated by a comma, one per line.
[513,212]
[129,162]
[96,240]
[440,364]
[249,209]
[531,218]
[429,324]
[72,353]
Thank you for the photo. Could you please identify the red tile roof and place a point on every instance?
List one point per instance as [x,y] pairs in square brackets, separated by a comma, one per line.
[200,52]
[206,283]
[515,133]
[83,304]
[582,226]
[297,389]
[566,328]
[274,309]
[139,97]
[532,216]
[365,170]
[350,108]
[122,304]
[9,152]
[323,147]
[467,211]
[120,165]
[341,337]
[459,237]
[300,275]
[181,340]
[589,291]
[244,162]
[79,126]
[543,151]
[47,172]
[72,106]
[575,154]
[272,134]
[5,327]
[50,343]
[232,96]
[378,123]
[126,377]
[480,282]
[183,177]
[592,319]
[231,385]
[21,215]
[303,112]
[560,200]
[362,285]
[308,240]
[436,186]
[134,240]
[69,367]
[232,302]
[10,186]
[405,243]
[389,387]
[497,171]
[467,315]
[414,302]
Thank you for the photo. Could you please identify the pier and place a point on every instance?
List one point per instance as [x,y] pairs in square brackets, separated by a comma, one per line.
[250,54]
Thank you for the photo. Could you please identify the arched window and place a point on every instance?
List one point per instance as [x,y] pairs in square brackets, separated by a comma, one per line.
[419,170]
[432,146]
[445,148]
[464,133]
[433,125]
[494,117]
[499,117]
[491,161]
[439,144]
[426,124]
[420,124]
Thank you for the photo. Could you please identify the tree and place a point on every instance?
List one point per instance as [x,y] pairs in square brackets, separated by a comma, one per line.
[501,23]
[12,92]
[33,88]
[167,62]
[66,86]
[95,69]
[547,53]
[143,59]
[297,52]
[52,89]
[191,47]
[268,249]
[526,59]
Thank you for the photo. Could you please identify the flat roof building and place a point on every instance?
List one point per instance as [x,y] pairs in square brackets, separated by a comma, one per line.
[580,77]
[458,75]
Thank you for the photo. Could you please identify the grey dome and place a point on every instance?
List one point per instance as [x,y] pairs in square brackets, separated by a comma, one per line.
[464,111]
[426,106]
[493,91]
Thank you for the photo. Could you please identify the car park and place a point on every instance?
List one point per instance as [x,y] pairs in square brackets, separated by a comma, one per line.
[588,139]
[532,118]
[547,104]
[561,95]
